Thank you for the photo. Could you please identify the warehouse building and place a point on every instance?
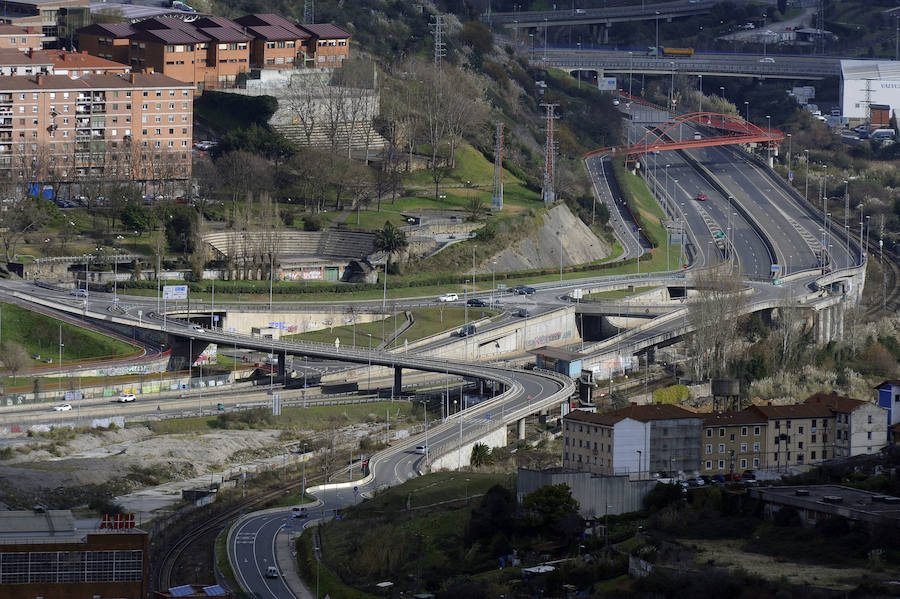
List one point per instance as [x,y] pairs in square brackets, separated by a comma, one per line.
[867,85]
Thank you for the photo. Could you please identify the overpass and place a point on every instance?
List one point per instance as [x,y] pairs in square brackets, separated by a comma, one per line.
[713,64]
[593,16]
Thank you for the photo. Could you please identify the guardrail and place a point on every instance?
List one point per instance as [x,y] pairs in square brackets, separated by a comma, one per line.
[692,66]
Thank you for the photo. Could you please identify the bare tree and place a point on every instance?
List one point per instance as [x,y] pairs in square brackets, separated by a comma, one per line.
[21,217]
[463,108]
[14,358]
[715,314]
[303,101]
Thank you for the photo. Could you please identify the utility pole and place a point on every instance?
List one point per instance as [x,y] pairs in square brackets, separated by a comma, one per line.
[497,194]
[548,192]
[309,11]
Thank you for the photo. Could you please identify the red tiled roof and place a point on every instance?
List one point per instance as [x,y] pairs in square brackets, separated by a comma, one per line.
[325,31]
[743,417]
[13,57]
[171,36]
[80,60]
[801,410]
[640,413]
[838,403]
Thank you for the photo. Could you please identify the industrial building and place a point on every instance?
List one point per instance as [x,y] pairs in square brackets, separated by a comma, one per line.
[44,554]
[822,502]
[865,83]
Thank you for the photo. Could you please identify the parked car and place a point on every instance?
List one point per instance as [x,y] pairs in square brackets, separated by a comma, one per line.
[126,397]
[66,407]
[767,59]
[477,303]
[516,289]
[467,330]
[79,292]
[719,478]
[448,297]
[733,477]
[749,475]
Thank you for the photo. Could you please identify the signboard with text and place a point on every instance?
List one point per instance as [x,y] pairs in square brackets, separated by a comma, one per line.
[175,292]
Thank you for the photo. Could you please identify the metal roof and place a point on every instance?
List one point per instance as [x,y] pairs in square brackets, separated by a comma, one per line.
[137,12]
[24,523]
[871,69]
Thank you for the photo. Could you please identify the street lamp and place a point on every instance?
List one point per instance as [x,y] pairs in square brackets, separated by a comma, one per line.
[769,145]
[579,70]
[700,96]
[806,191]
[657,34]
[425,409]
[747,113]
[369,384]
[722,91]
[630,72]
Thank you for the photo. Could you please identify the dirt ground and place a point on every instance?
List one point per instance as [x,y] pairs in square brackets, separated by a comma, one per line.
[727,553]
[100,458]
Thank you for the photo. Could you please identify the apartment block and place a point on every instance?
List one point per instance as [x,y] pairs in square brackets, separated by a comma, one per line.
[733,442]
[20,38]
[56,128]
[889,399]
[637,440]
[861,427]
[55,20]
[797,434]
[212,52]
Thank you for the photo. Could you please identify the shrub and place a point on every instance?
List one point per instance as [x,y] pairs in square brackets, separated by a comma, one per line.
[672,394]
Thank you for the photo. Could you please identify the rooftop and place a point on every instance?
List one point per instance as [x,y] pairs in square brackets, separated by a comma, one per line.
[325,30]
[871,69]
[76,60]
[838,403]
[853,504]
[811,410]
[644,413]
[26,523]
[557,353]
[734,418]
[93,81]
[888,383]
[13,57]
[136,12]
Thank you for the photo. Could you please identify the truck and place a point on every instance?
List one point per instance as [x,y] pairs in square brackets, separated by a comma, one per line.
[663,51]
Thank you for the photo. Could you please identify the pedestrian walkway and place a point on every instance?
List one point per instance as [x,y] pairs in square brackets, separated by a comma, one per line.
[286,556]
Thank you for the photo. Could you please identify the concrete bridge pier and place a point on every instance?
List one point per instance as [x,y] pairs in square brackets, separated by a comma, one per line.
[281,371]
[520,429]
[184,352]
[398,380]
[839,312]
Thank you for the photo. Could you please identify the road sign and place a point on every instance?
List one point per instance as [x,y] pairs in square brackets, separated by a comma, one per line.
[215,318]
[790,176]
[276,404]
[776,268]
[175,292]
[356,490]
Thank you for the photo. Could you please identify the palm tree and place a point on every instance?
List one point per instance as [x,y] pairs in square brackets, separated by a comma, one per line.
[481,455]
[389,240]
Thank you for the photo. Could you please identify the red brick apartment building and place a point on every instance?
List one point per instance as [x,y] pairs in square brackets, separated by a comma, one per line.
[20,38]
[212,52]
[134,126]
[46,555]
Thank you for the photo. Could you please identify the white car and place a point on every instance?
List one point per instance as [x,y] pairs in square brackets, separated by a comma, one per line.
[66,407]
[126,397]
[197,327]
[767,59]
[78,293]
[448,297]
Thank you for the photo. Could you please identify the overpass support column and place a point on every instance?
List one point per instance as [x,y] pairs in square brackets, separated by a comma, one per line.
[828,335]
[520,427]
[820,326]
[282,366]
[606,33]
[398,380]
[840,321]
[651,355]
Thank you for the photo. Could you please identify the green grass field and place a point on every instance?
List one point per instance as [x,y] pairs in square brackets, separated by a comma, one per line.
[427,322]
[317,418]
[40,335]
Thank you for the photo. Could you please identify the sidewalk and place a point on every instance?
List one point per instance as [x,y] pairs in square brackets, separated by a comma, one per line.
[286,558]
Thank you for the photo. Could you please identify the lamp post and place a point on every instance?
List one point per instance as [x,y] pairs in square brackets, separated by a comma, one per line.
[579,70]
[722,92]
[630,72]
[657,34]
[672,88]
[303,484]
[559,237]
[789,159]
[769,145]
[59,389]
[369,370]
[493,280]
[806,191]
[640,454]
[640,251]
[747,112]
[667,183]
[425,409]
[700,90]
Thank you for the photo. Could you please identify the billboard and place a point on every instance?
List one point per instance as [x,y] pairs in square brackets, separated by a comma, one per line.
[175,292]
[606,84]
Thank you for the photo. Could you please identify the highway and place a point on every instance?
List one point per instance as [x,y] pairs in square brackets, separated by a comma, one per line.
[613,12]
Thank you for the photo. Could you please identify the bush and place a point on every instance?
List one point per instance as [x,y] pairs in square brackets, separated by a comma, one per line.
[672,394]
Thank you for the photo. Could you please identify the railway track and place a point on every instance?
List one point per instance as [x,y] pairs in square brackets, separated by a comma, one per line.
[173,554]
[888,301]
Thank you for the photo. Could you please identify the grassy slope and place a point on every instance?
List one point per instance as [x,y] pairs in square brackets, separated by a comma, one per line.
[427,321]
[39,335]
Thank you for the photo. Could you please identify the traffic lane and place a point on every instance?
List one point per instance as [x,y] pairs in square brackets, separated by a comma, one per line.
[749,247]
[749,187]
[689,183]
[254,552]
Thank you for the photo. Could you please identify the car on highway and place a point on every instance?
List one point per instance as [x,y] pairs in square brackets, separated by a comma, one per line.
[197,328]
[79,292]
[523,312]
[526,291]
[126,397]
[271,572]
[420,449]
[467,330]
[516,289]
[477,303]
[448,297]
[767,59]
[66,407]
[701,196]
[298,512]
[616,102]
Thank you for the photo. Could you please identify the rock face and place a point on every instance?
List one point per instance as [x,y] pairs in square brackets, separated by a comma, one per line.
[542,250]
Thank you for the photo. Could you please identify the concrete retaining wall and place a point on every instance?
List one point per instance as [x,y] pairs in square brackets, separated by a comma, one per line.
[462,457]
[593,492]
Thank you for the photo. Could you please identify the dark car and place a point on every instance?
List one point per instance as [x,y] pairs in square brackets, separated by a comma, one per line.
[748,475]
[718,478]
[467,330]
[523,312]
[517,289]
[477,303]
[527,291]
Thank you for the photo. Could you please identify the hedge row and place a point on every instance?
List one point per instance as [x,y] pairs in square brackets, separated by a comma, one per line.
[620,173]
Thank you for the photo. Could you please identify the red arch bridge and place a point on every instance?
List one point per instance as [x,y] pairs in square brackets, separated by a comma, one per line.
[715,130]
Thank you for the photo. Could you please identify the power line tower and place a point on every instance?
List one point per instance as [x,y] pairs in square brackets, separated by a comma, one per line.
[548,192]
[440,48]
[867,100]
[497,195]
[820,27]
[309,11]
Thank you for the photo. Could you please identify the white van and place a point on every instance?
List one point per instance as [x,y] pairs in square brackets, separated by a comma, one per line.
[882,134]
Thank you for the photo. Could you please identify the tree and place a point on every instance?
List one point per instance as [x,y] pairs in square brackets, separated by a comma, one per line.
[715,314]
[481,455]
[14,357]
[180,229]
[549,504]
[136,217]
[475,209]
[390,240]
[18,219]
[495,514]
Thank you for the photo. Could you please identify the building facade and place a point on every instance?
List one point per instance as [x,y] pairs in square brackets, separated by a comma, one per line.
[861,427]
[733,442]
[45,555]
[20,38]
[56,20]
[637,440]
[58,130]
[797,435]
[212,52]
[889,399]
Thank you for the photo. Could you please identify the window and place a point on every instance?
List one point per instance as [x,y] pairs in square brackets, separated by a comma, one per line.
[567,441]
[812,455]
[789,424]
[800,445]
[743,431]
[869,434]
[756,462]
[709,448]
[813,439]
[731,437]
[721,464]
[870,419]
[721,432]
[579,443]
[709,464]
[744,464]
[756,430]
[799,430]
[743,447]
[709,432]
[157,131]
[721,448]
[566,455]
[756,447]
